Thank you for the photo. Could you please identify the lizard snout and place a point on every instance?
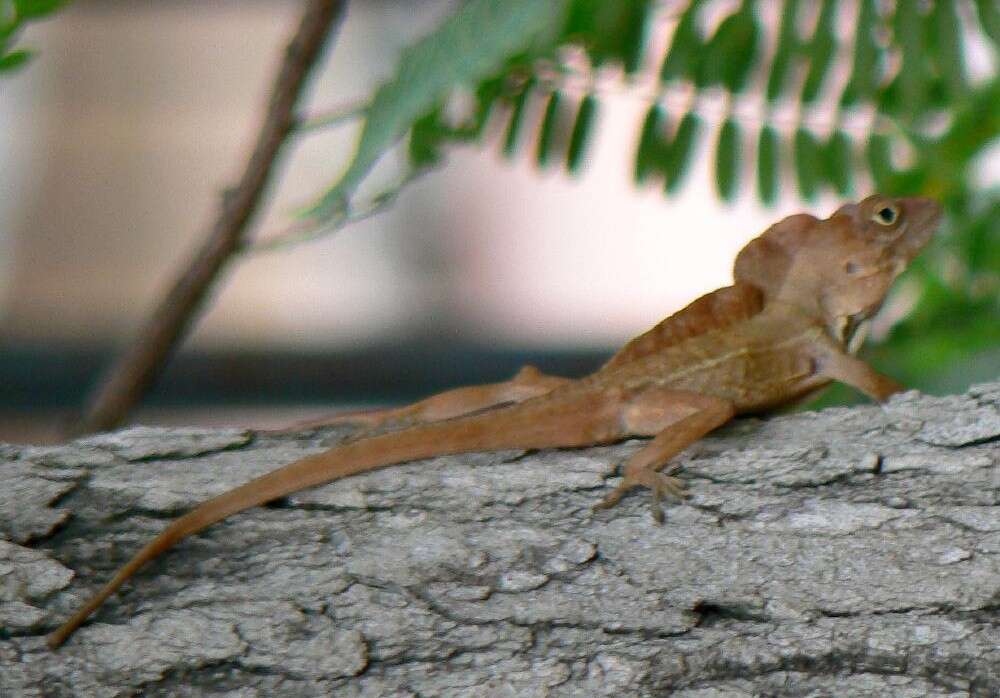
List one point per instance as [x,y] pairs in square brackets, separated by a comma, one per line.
[922,217]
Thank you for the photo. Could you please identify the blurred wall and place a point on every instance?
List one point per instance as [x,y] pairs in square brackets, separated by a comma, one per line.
[118,138]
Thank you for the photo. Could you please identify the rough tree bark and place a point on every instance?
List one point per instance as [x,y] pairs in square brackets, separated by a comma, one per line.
[852,552]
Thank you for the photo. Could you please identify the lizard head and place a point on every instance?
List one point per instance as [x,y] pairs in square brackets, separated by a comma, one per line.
[839,270]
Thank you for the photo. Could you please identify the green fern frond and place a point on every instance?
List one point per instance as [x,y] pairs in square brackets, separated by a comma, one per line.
[905,65]
[469,47]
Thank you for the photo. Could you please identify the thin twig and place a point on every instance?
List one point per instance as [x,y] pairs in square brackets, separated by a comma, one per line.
[333,117]
[130,377]
[311,230]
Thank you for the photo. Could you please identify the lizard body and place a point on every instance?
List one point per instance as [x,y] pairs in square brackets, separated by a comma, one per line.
[787,326]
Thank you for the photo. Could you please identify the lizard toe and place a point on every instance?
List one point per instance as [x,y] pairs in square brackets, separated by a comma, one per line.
[660,485]
[613,497]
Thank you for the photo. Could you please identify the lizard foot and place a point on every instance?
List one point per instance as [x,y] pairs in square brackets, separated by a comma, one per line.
[658,484]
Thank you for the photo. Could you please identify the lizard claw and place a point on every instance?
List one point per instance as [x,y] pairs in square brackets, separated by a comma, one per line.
[658,484]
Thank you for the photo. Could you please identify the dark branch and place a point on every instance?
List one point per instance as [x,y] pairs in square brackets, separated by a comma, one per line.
[129,378]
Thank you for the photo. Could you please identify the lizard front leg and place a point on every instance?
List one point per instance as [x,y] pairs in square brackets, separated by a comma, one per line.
[678,419]
[854,372]
[528,383]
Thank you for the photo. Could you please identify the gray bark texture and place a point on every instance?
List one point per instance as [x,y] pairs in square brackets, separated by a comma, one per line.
[849,552]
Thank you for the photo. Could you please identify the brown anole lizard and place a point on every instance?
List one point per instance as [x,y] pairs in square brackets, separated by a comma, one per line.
[787,326]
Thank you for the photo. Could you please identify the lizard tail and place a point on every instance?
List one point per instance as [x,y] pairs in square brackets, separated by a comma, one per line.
[504,428]
[254,493]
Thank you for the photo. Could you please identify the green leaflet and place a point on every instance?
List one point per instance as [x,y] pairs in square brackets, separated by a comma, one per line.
[981,240]
[14,60]
[35,9]
[729,56]
[947,47]
[648,155]
[681,61]
[678,157]
[866,70]
[808,163]
[838,162]
[989,17]
[634,26]
[14,14]
[911,80]
[550,125]
[786,50]
[586,115]
[611,31]
[741,48]
[727,159]
[878,152]
[469,46]
[486,98]
[511,140]
[768,164]
[976,124]
[820,51]
[425,140]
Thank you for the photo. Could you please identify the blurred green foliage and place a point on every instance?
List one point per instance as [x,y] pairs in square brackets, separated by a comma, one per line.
[14,15]
[929,126]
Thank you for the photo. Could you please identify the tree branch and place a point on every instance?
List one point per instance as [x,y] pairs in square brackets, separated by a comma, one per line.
[130,377]
[849,552]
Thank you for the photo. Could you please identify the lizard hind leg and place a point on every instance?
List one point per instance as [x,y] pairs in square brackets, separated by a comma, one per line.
[678,419]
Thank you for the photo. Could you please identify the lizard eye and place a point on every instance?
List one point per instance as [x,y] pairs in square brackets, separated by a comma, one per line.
[886,215]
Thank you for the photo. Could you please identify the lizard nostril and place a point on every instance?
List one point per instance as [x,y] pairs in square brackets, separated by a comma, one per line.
[851,268]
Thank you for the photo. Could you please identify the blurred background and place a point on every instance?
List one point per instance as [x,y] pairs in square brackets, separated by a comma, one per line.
[119,136]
